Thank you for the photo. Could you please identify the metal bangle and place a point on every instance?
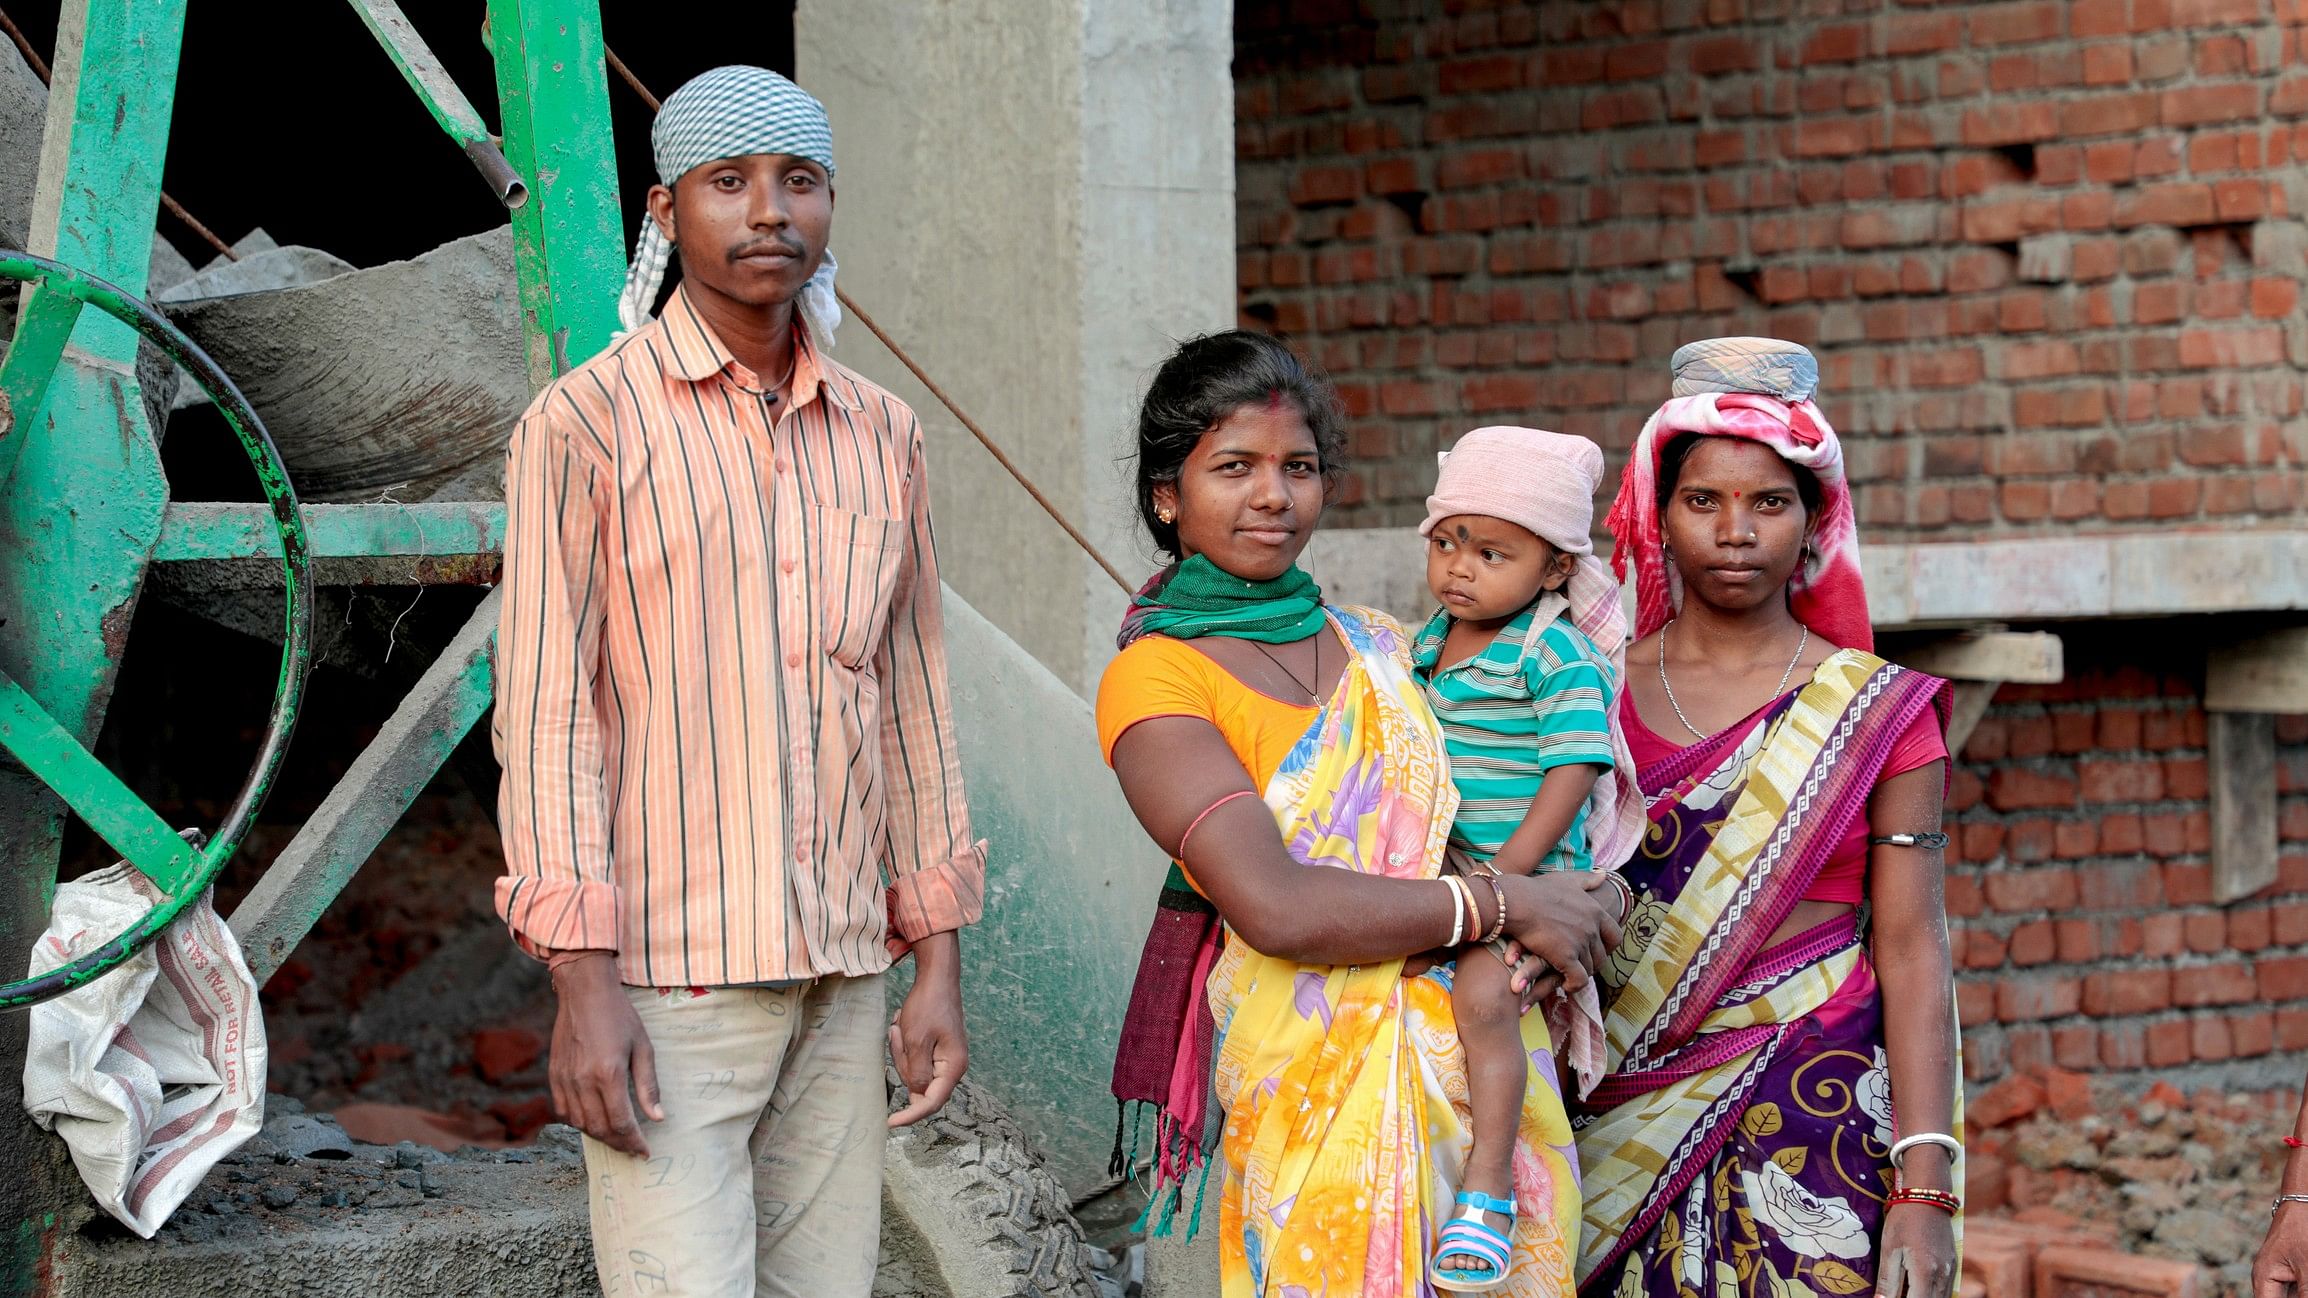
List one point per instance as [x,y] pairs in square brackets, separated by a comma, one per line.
[1932,841]
[1947,1142]
[2283,1199]
[1498,890]
[1626,895]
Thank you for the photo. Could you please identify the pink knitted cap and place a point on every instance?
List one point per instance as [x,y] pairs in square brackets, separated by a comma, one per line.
[1542,481]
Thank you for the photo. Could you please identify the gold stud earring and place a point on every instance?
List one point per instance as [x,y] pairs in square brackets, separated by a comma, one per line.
[1168,516]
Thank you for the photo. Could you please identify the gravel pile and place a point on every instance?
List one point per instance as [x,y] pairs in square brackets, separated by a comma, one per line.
[302,1170]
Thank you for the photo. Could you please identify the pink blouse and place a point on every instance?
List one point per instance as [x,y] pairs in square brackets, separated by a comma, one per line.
[1844,878]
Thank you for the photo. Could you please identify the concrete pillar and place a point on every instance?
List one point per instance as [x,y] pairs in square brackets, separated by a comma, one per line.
[1035,198]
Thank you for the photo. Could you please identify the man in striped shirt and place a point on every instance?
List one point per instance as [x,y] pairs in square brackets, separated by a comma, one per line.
[724,718]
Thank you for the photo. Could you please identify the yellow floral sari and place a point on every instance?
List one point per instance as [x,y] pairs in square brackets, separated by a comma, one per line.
[1344,1089]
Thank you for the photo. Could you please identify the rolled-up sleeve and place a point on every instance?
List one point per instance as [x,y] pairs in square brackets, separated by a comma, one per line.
[936,871]
[552,811]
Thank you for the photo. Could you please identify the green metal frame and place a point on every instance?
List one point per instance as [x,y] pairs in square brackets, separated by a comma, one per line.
[553,87]
[441,530]
[69,577]
[553,91]
[50,751]
[73,430]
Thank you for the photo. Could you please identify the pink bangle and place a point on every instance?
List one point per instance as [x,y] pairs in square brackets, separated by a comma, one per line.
[1238,793]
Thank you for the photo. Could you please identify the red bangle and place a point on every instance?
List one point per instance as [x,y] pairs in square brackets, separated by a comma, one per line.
[1940,1199]
[1196,823]
[2294,1142]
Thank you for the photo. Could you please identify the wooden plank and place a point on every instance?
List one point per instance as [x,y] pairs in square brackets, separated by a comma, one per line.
[2048,578]
[2267,673]
[381,783]
[2243,762]
[1971,700]
[2028,657]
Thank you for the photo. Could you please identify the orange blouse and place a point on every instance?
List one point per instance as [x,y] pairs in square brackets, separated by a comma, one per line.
[1161,677]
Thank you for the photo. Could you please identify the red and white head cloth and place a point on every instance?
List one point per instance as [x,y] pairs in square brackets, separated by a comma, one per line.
[1759,389]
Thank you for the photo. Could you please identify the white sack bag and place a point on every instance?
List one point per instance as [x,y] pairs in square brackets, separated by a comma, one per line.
[155,1070]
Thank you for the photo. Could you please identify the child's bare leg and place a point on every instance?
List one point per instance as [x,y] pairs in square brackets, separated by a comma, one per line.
[1490,1030]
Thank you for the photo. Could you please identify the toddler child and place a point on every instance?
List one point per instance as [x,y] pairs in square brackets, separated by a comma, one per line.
[1521,664]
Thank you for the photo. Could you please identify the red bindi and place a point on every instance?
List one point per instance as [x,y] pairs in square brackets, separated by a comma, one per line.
[1734,495]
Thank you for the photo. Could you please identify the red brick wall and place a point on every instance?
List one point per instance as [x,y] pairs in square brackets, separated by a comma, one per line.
[2080,884]
[2045,250]
[2047,255]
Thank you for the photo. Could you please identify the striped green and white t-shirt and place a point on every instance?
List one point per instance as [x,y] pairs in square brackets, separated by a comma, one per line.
[1537,697]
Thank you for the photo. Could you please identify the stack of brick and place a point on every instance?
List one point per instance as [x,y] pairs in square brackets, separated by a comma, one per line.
[2043,1254]
[2176,1186]
[2049,252]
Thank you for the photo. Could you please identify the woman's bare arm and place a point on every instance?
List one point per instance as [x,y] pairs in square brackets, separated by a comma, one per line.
[2281,1269]
[1907,888]
[1173,768]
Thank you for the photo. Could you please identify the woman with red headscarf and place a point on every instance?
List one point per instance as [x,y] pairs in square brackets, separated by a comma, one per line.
[1781,1118]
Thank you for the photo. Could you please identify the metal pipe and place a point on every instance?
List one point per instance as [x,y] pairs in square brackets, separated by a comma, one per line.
[425,75]
[504,182]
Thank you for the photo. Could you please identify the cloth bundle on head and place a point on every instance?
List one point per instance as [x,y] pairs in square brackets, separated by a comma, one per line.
[1759,389]
[732,112]
[1545,483]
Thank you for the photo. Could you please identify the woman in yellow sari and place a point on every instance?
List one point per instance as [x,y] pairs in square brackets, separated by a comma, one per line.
[1291,1018]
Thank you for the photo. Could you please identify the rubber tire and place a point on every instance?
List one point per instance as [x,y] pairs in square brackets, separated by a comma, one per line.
[969,1210]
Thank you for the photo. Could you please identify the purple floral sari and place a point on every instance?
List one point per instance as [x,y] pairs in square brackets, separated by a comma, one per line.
[1739,1147]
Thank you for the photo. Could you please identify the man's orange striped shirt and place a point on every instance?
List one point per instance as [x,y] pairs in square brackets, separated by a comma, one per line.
[722,704]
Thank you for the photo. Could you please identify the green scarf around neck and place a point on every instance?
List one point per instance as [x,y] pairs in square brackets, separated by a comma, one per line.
[1198,598]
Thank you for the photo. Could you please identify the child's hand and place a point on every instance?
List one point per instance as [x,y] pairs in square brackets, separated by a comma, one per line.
[1532,978]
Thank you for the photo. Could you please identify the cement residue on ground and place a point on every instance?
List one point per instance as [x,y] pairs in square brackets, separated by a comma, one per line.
[303,1172]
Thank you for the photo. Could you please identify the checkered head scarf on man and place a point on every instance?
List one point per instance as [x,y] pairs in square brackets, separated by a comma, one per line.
[732,112]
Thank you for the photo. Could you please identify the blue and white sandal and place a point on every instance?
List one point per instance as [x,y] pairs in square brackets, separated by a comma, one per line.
[1474,1237]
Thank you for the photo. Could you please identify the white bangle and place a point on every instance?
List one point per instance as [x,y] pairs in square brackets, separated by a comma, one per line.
[1949,1143]
[1460,901]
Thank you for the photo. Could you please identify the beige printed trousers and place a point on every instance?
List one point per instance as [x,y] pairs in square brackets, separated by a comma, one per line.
[765,1177]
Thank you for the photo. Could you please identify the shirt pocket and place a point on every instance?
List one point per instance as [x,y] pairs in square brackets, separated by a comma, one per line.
[858,557]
